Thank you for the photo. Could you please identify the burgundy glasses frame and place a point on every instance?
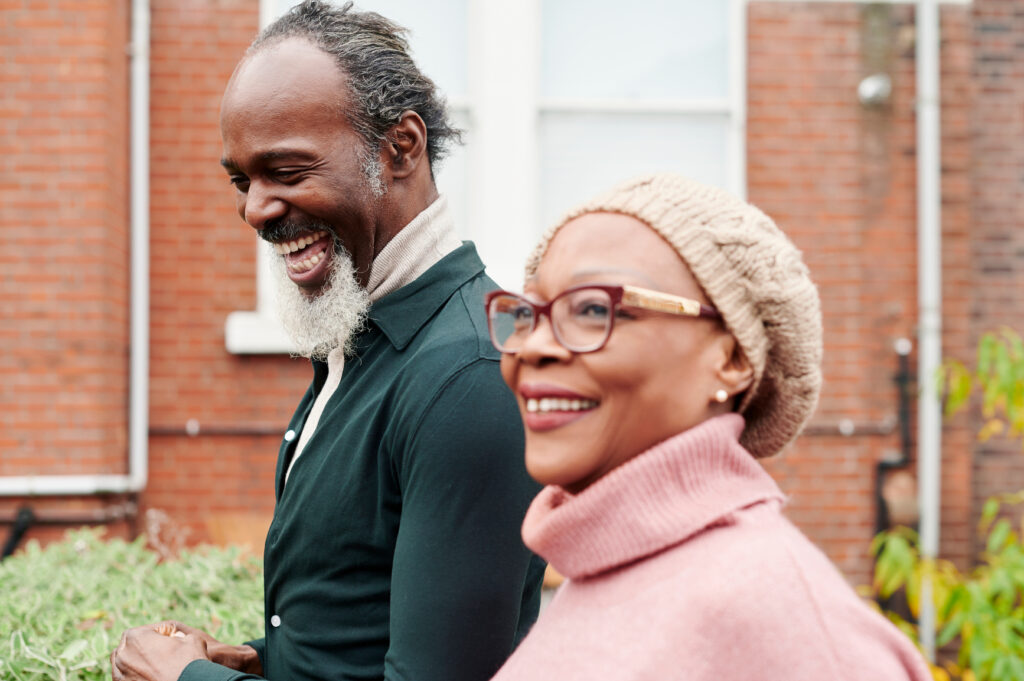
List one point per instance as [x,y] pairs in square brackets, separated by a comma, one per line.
[621,296]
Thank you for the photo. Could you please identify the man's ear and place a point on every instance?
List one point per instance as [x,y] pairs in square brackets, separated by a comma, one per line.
[735,371]
[405,147]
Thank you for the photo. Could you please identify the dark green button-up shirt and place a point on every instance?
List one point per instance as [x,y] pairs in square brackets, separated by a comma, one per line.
[395,550]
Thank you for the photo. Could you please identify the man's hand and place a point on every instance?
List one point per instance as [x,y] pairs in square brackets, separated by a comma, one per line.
[161,651]
[155,653]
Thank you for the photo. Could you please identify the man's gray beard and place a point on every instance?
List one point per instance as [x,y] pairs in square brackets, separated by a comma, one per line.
[328,321]
[372,173]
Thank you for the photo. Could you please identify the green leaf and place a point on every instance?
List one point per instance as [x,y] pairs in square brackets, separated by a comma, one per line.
[986,348]
[997,538]
[956,380]
[990,398]
[951,630]
[74,649]
[894,565]
[1003,370]
[1014,342]
[988,512]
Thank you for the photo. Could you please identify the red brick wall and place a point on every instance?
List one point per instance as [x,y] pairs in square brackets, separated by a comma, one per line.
[957,103]
[63,237]
[840,179]
[997,203]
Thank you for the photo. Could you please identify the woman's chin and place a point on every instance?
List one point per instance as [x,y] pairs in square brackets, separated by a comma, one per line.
[554,468]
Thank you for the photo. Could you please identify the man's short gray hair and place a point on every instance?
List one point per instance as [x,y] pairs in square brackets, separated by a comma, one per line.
[373,53]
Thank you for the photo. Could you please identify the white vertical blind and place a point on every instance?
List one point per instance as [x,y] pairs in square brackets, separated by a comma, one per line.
[585,152]
[648,49]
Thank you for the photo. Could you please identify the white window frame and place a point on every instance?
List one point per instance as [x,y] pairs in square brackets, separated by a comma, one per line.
[503,108]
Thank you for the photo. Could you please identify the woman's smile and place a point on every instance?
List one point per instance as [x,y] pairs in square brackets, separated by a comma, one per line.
[546,407]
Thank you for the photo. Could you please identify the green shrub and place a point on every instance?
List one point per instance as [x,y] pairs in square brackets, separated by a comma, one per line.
[997,377]
[979,613]
[63,607]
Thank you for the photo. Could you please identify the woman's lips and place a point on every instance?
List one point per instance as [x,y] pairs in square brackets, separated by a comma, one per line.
[550,421]
[548,407]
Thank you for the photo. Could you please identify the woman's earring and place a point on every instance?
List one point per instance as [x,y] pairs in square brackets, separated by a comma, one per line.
[721,396]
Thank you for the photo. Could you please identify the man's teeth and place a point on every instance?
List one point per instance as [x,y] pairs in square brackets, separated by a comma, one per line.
[307,264]
[547,404]
[286,247]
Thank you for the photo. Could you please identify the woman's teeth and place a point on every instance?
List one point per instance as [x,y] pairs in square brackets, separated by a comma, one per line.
[548,404]
[286,247]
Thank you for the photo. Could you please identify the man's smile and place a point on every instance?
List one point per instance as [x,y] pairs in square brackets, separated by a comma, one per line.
[286,247]
[302,255]
[307,257]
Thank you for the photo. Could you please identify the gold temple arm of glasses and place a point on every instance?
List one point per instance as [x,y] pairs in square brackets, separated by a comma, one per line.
[661,302]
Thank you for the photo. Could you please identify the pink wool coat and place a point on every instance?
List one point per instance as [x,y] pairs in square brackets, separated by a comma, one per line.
[682,566]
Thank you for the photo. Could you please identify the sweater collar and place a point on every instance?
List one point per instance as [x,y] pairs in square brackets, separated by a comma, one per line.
[415,249]
[401,314]
[652,502]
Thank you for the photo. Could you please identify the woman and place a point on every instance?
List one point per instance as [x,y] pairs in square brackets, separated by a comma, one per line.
[669,336]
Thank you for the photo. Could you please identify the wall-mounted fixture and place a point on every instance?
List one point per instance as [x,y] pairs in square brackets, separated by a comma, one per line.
[875,90]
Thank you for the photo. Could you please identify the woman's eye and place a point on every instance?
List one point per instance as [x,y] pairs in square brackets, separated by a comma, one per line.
[521,314]
[592,310]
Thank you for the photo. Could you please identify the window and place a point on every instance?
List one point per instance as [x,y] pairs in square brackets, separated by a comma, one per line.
[559,100]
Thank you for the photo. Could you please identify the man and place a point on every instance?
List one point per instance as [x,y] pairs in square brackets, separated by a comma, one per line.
[394,551]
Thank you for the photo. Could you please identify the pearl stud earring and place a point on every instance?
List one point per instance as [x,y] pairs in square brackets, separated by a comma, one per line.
[721,395]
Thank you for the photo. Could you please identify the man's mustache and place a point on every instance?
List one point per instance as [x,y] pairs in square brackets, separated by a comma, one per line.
[282,230]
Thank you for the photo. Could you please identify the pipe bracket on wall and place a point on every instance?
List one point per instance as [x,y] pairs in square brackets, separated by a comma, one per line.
[22,522]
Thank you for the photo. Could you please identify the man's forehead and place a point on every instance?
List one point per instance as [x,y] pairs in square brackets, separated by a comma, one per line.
[286,68]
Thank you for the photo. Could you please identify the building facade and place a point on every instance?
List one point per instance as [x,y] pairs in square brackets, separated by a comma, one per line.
[766,98]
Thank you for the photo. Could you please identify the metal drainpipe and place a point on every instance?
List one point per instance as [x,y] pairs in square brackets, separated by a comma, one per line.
[902,378]
[138,391]
[929,267]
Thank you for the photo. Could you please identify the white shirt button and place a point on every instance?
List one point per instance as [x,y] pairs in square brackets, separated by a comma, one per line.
[289,435]
[275,621]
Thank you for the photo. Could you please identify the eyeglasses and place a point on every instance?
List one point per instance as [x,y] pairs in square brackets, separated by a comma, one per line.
[582,317]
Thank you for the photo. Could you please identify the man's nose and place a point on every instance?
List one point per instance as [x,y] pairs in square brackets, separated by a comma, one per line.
[262,206]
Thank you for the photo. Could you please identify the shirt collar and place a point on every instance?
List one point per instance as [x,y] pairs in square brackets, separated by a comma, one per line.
[400,315]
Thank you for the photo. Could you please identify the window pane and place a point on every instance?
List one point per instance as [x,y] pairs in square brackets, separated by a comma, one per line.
[675,49]
[582,154]
[437,36]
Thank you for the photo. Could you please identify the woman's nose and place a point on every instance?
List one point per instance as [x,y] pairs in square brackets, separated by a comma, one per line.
[541,344]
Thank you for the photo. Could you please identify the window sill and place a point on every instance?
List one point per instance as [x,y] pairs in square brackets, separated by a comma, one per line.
[255,333]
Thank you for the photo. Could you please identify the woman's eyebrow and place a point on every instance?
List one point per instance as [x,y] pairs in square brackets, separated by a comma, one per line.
[591,272]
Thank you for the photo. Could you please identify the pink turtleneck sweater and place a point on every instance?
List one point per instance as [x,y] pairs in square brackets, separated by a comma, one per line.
[682,566]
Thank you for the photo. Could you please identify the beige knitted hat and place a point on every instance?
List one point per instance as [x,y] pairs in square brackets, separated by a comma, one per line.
[756,278]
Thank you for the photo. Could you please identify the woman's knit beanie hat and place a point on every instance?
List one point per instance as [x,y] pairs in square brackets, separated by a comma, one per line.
[753,274]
